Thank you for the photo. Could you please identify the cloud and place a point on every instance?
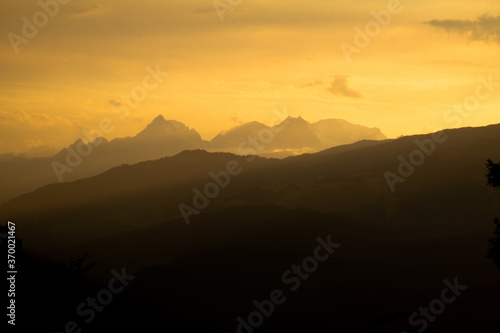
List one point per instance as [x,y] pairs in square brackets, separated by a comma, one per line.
[484,28]
[33,120]
[313,84]
[21,130]
[340,87]
[236,118]
[18,116]
[114,103]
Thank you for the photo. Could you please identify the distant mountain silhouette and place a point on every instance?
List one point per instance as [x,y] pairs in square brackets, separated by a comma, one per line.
[40,151]
[335,132]
[19,174]
[397,247]
[230,140]
[293,136]
[298,134]
[34,152]
[170,131]
[348,180]
[160,138]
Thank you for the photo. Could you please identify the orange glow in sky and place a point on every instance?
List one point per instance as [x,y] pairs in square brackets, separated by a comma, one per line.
[88,59]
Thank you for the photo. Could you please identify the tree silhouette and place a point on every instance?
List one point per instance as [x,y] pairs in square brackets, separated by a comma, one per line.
[494,246]
[493,177]
[493,174]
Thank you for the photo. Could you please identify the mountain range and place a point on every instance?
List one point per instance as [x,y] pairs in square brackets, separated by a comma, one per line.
[398,244]
[348,180]
[19,174]
[293,136]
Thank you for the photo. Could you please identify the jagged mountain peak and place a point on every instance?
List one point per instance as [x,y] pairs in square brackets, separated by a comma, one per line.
[295,121]
[162,127]
[158,119]
[250,125]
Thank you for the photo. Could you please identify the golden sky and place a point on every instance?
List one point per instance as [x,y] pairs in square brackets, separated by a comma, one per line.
[263,54]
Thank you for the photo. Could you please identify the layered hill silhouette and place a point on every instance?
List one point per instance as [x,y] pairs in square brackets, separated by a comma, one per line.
[397,247]
[446,194]
[20,174]
[80,159]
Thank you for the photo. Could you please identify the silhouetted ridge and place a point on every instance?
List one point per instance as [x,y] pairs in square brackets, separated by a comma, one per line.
[161,138]
[193,153]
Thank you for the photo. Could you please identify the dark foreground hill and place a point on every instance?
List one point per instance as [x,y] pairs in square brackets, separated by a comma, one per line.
[397,248]
[206,275]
